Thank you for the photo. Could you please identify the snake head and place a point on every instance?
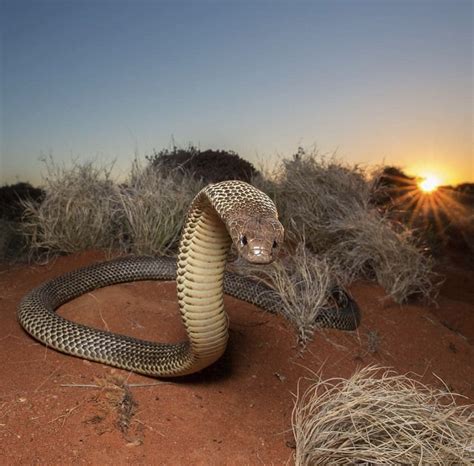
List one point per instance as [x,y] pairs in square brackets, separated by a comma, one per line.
[257,239]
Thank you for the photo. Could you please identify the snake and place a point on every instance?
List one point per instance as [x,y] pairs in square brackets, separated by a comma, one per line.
[221,214]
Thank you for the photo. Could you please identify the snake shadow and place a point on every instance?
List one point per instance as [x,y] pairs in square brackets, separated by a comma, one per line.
[221,370]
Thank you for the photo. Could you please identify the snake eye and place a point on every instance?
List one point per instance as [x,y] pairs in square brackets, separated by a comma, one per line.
[275,244]
[243,240]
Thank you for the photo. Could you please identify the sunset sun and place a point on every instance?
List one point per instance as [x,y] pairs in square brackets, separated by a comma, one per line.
[429,183]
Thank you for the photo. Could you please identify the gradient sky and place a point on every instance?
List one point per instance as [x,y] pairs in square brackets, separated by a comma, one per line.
[377,81]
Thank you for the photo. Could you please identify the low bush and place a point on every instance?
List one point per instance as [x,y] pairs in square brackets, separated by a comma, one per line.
[379,417]
[328,203]
[77,213]
[209,166]
[12,198]
[151,210]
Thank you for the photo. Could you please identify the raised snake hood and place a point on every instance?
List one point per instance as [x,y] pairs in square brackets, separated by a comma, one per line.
[250,217]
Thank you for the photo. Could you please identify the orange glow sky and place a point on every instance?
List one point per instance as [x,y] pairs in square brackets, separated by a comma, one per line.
[376,81]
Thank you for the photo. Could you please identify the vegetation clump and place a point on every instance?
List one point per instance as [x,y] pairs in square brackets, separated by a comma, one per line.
[329,205]
[85,208]
[304,283]
[151,210]
[208,166]
[379,417]
[12,197]
[77,212]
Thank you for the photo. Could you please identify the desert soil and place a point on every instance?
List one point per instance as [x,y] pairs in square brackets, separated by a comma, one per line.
[58,409]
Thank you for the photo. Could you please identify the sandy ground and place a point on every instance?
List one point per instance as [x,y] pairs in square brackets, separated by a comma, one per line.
[58,409]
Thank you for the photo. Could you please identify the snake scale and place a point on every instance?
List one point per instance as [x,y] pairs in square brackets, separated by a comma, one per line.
[221,214]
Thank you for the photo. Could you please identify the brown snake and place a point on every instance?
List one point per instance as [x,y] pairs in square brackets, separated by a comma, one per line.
[221,214]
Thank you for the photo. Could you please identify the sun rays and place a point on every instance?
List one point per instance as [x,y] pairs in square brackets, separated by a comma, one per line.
[423,202]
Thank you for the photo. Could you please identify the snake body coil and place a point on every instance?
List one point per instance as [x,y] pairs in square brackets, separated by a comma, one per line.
[231,211]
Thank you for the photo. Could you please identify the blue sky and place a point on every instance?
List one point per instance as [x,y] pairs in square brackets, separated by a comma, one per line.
[377,81]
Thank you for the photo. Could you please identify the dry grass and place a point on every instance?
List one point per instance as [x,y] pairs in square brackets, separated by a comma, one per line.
[84,208]
[328,204]
[378,417]
[304,283]
[77,213]
[323,204]
[152,210]
[370,247]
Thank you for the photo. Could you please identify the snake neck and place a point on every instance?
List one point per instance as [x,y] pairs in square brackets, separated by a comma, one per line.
[200,273]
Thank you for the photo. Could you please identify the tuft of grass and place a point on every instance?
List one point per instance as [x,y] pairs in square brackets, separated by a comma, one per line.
[304,283]
[84,208]
[152,210]
[328,204]
[77,212]
[379,417]
[371,247]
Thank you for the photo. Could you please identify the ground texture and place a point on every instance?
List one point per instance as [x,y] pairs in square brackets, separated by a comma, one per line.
[58,409]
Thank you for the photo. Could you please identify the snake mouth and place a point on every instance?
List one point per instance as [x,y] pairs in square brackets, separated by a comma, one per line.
[258,255]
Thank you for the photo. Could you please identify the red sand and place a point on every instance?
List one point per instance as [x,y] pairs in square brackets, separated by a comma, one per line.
[236,412]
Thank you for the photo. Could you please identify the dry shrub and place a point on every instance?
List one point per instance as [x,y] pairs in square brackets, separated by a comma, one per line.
[304,283]
[152,209]
[378,417]
[329,205]
[83,208]
[77,212]
[11,197]
[315,193]
[210,166]
[371,247]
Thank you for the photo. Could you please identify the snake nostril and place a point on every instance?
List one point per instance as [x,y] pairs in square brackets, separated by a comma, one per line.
[243,240]
[275,244]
